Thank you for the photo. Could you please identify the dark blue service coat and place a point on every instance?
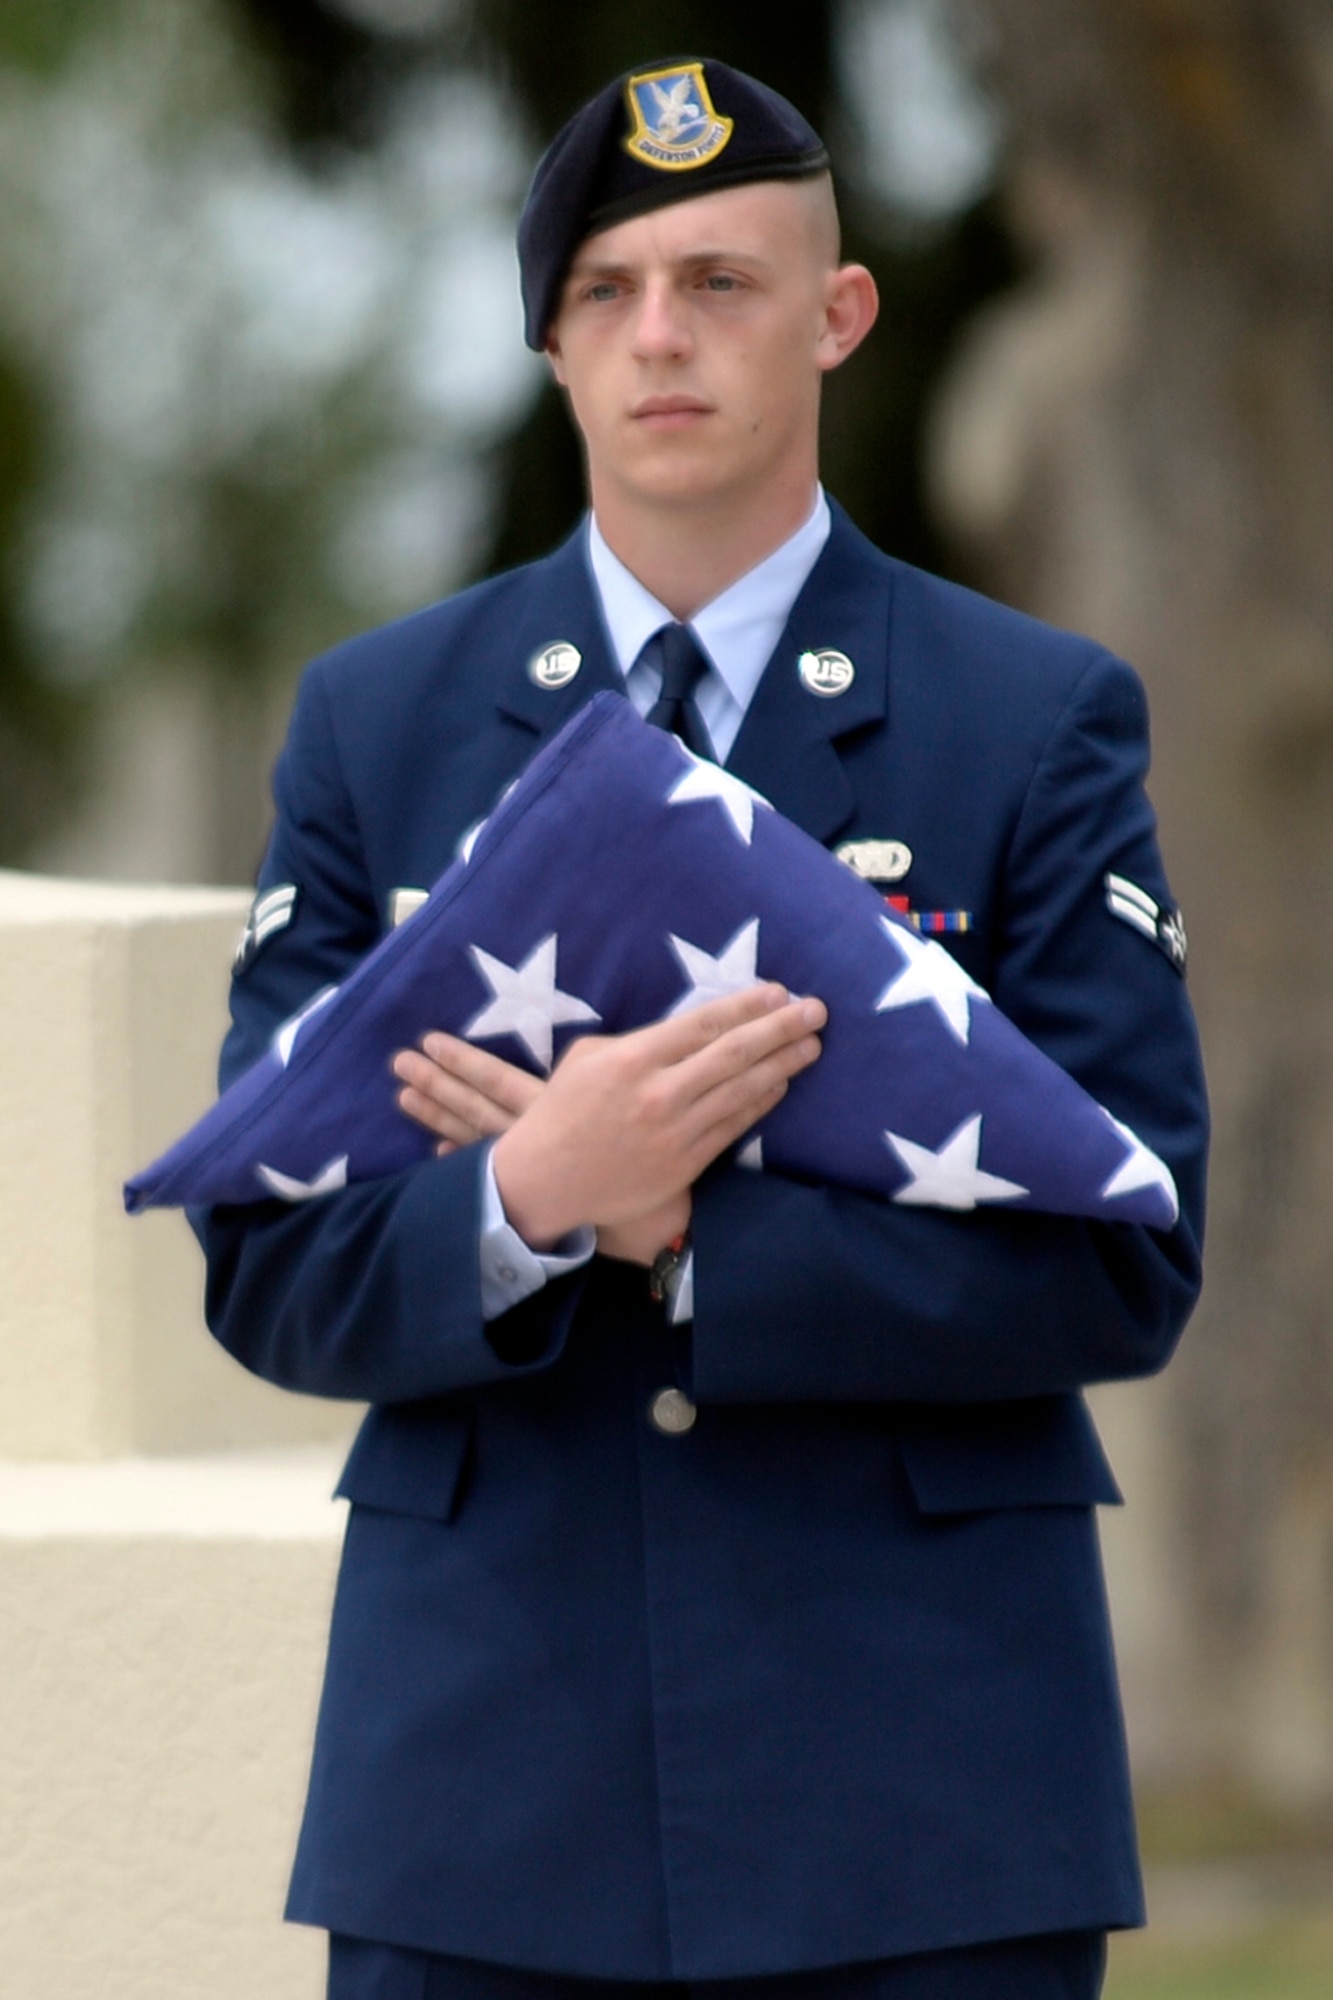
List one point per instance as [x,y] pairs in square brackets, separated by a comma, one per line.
[829,1676]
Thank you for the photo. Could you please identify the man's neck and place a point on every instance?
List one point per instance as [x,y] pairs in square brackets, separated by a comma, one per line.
[687,556]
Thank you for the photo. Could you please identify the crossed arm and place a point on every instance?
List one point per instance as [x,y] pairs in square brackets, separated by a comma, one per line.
[617,1136]
[801,1292]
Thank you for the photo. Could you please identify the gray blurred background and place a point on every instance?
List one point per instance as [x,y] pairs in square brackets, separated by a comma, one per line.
[262,385]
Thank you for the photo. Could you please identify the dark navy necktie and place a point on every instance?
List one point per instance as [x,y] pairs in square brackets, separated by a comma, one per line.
[676,655]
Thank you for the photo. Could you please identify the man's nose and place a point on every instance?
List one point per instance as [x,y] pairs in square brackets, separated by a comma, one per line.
[660,328]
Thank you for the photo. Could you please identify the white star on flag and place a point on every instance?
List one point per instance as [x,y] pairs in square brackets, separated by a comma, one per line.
[930,973]
[284,1041]
[327,1181]
[950,1178]
[732,971]
[1141,1169]
[527,1002]
[709,781]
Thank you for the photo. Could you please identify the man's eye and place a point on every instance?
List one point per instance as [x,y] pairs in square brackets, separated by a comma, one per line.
[603,291]
[721,281]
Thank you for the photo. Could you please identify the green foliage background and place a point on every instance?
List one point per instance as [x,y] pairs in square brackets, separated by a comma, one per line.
[329,89]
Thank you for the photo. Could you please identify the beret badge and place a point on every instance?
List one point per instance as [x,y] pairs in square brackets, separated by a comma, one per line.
[677,128]
[673,123]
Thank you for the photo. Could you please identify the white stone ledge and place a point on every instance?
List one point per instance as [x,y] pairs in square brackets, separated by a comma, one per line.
[269,1496]
[113,1001]
[54,899]
[162,1628]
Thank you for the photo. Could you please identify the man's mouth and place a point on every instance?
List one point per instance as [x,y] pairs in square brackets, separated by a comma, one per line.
[666,413]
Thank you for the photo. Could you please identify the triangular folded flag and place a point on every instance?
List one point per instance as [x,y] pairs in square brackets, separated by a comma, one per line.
[621,880]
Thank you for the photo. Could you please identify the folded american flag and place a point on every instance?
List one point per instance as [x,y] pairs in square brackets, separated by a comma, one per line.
[621,880]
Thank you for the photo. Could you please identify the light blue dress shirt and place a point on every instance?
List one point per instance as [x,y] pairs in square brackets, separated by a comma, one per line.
[738,631]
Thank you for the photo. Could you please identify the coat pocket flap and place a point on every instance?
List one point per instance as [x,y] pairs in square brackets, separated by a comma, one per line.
[1040,1453]
[409,1458]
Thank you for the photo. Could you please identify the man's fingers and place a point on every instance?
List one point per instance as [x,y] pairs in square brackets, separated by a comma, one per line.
[683,1035]
[440,1101]
[750,1042]
[737,1102]
[502,1082]
[723,1036]
[460,1093]
[715,1141]
[457,1129]
[734,1110]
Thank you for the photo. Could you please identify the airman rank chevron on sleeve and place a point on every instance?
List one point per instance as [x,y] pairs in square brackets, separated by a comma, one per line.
[270,912]
[924,1093]
[1164,925]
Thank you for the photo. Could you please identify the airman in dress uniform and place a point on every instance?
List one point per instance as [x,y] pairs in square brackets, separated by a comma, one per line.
[721,1610]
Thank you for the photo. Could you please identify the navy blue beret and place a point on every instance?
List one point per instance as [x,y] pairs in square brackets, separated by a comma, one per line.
[658,135]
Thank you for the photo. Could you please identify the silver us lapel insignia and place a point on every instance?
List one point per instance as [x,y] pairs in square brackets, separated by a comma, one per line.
[826,671]
[271,911]
[674,124]
[555,665]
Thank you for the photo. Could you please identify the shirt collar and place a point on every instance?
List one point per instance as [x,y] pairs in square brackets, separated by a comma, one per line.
[739,628]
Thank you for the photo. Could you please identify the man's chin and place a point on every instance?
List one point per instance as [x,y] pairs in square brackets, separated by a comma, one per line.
[684,483]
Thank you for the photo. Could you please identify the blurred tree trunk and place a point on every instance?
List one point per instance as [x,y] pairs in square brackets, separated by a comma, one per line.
[1139,444]
[40,726]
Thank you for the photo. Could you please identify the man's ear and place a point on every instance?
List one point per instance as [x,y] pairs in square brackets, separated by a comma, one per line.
[555,359]
[851,307]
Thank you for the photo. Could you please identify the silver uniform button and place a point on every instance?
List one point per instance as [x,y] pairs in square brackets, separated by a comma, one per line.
[672,1413]
[826,671]
[556,665]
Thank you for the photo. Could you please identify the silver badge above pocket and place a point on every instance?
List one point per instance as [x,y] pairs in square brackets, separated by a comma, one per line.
[876,860]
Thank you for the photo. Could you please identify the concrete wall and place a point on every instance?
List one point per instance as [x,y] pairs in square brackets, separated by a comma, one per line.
[112,1006]
[164,1593]
[161,1635]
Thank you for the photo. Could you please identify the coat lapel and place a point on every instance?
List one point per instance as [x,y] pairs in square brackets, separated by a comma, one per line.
[786,747]
[563,609]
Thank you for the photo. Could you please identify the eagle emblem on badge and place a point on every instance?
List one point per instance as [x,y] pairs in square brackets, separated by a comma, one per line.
[674,125]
